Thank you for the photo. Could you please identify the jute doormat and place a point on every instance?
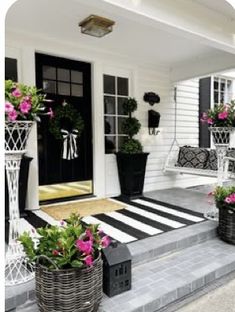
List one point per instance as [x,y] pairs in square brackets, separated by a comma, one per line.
[84,208]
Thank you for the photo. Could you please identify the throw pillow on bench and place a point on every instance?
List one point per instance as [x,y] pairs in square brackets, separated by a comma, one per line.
[192,157]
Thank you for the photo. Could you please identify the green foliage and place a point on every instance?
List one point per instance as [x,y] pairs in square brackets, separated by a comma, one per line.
[68,113]
[131,126]
[131,146]
[225,196]
[129,106]
[222,115]
[30,96]
[71,244]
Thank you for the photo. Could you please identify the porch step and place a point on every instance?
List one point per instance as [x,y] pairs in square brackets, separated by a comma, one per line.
[142,251]
[161,283]
[158,283]
[155,247]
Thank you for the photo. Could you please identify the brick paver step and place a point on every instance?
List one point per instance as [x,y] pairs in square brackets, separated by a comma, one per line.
[158,246]
[161,282]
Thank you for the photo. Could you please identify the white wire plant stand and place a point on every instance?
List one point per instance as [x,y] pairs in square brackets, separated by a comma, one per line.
[17,268]
[221,139]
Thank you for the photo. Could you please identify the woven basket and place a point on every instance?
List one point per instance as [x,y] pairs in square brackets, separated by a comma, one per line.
[69,290]
[226,228]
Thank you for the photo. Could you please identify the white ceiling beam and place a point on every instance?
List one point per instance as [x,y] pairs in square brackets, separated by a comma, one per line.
[182,17]
[202,67]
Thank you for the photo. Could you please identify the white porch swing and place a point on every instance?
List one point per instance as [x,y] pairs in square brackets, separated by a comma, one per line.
[172,159]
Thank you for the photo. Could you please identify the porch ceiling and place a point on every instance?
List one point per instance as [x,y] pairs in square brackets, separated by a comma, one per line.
[131,37]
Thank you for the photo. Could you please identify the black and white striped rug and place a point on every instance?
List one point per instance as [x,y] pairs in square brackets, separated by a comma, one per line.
[141,218]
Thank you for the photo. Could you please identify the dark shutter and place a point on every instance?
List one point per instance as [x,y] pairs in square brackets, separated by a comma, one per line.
[11,69]
[204,105]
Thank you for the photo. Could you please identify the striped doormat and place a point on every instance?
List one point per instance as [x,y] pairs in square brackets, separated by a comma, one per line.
[141,218]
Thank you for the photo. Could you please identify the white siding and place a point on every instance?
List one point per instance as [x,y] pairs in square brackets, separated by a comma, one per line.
[143,79]
[158,146]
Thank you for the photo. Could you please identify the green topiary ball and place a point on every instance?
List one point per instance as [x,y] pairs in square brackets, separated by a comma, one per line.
[131,146]
[131,126]
[129,106]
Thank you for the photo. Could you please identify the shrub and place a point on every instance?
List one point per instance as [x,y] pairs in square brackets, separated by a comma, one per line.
[130,127]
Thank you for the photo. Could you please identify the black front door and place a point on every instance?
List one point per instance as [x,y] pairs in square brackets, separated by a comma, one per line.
[70,81]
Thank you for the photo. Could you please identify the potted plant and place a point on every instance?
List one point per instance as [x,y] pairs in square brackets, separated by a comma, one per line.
[23,105]
[221,121]
[68,265]
[225,202]
[131,160]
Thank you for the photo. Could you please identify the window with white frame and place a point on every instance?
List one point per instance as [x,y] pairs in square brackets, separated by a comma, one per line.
[223,90]
[116,91]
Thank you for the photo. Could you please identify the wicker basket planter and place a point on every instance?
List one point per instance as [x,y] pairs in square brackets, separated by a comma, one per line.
[226,228]
[69,290]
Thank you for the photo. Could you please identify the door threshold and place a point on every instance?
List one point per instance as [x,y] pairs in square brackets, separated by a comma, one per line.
[65,199]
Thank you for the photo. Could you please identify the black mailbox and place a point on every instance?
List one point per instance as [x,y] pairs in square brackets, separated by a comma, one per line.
[116,269]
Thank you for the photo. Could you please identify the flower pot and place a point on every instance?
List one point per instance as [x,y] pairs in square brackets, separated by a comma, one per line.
[226,228]
[131,171]
[16,135]
[221,135]
[65,290]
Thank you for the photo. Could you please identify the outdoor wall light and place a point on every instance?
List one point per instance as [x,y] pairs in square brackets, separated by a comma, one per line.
[153,122]
[153,116]
[96,26]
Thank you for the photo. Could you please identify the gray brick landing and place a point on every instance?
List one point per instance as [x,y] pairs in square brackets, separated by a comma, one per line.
[157,246]
[163,281]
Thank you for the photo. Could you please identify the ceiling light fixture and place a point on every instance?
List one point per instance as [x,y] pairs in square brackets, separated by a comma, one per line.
[96,26]
[231,2]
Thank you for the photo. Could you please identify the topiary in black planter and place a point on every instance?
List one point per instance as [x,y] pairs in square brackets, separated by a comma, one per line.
[131,160]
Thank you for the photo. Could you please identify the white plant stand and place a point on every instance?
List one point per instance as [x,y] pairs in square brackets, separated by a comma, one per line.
[17,269]
[221,140]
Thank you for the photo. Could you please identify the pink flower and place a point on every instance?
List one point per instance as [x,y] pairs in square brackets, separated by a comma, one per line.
[55,252]
[25,107]
[17,93]
[210,121]
[8,107]
[101,232]
[89,235]
[62,223]
[50,113]
[228,200]
[88,260]
[84,246]
[12,115]
[223,115]
[204,117]
[105,241]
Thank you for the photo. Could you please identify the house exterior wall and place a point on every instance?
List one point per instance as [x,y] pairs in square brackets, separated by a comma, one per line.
[143,78]
[158,146]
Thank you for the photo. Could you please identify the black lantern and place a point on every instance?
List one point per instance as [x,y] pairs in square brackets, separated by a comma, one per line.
[116,269]
[153,121]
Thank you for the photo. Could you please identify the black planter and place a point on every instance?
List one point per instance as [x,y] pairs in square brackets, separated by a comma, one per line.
[131,171]
[23,185]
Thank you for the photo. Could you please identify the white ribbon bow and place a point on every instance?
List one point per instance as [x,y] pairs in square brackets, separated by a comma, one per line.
[70,144]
